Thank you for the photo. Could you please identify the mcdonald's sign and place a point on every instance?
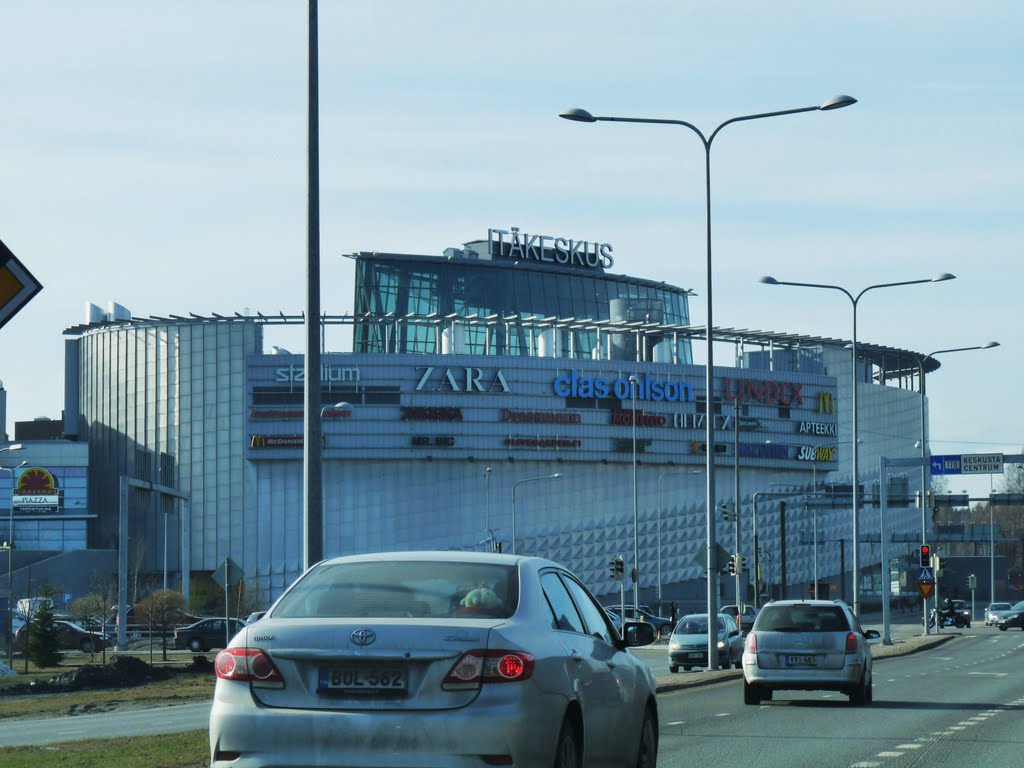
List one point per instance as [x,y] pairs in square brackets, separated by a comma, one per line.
[826,402]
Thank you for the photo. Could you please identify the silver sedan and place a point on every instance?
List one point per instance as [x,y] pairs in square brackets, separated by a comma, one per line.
[435,659]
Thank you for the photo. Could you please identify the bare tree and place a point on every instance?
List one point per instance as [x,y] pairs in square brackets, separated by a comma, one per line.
[160,610]
[90,610]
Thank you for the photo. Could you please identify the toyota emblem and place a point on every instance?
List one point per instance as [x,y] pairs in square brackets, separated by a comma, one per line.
[363,636]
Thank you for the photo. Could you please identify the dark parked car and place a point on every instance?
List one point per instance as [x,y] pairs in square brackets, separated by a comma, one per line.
[206,634]
[1011,618]
[70,637]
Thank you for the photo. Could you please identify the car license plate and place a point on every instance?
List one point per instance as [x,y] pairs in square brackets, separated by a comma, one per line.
[351,678]
[801,661]
[695,655]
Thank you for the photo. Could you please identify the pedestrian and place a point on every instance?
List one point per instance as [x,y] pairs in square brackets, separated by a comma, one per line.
[672,614]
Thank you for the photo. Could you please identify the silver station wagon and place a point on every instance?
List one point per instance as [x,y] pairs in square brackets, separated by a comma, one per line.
[435,659]
[807,645]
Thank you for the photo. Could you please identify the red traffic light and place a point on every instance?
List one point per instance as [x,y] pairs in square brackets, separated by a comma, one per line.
[926,556]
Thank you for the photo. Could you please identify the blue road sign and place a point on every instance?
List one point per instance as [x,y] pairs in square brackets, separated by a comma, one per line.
[927,576]
[945,465]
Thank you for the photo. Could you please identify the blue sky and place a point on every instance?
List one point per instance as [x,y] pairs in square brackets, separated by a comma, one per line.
[154,154]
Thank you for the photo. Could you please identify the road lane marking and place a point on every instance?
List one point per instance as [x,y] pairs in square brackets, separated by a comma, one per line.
[890,754]
[909,746]
[677,722]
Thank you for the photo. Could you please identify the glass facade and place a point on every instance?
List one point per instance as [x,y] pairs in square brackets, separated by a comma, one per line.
[508,307]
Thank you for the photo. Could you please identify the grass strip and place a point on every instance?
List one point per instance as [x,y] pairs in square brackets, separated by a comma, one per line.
[190,749]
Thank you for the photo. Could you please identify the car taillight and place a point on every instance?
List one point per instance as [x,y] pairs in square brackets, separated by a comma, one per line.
[479,666]
[851,643]
[751,643]
[250,665]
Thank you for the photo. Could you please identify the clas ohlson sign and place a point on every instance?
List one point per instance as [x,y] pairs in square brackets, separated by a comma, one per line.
[649,388]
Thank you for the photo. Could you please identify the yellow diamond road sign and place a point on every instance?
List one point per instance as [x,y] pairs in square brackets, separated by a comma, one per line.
[17,286]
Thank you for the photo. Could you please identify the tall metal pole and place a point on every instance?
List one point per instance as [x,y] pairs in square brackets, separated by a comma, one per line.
[581,115]
[736,472]
[313,533]
[636,525]
[854,380]
[487,509]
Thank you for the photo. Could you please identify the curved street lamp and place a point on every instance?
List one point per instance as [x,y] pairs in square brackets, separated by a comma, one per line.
[925,470]
[854,300]
[516,485]
[583,116]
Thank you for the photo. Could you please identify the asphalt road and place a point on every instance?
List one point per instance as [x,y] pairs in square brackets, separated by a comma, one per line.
[959,704]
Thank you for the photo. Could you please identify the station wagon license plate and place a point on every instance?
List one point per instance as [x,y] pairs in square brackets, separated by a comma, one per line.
[802,661]
[351,678]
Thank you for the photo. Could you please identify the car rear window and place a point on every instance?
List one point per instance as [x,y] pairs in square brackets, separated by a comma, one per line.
[403,589]
[801,618]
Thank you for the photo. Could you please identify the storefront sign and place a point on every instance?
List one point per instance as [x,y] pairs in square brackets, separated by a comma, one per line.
[521,246]
[433,441]
[826,402]
[334,374]
[276,441]
[817,428]
[764,451]
[627,417]
[817,453]
[542,442]
[647,388]
[769,392]
[460,380]
[430,413]
[539,417]
[36,492]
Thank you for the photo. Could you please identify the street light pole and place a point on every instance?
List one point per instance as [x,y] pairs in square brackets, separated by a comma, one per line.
[487,509]
[10,559]
[583,116]
[516,485]
[925,469]
[854,300]
[636,535]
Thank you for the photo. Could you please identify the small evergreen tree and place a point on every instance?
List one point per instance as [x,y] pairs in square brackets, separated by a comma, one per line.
[43,646]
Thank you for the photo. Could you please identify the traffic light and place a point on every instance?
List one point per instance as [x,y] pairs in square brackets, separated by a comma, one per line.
[732,565]
[617,566]
[926,556]
[972,582]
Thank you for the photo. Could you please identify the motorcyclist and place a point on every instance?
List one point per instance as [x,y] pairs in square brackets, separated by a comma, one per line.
[948,611]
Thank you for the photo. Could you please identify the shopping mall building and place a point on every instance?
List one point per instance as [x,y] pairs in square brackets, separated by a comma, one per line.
[469,380]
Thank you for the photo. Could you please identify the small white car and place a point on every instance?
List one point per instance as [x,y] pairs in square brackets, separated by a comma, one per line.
[807,645]
[688,643]
[993,611]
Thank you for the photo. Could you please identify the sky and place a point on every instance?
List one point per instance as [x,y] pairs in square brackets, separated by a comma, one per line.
[154,154]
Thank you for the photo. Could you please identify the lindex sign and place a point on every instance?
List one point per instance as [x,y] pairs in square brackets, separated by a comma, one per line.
[228,574]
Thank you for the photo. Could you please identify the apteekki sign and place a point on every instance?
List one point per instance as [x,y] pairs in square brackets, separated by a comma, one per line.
[17,286]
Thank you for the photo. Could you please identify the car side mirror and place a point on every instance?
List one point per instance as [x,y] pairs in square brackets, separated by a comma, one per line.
[639,633]
[872,634]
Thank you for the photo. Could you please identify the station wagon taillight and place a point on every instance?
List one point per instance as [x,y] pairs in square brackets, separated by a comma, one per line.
[851,643]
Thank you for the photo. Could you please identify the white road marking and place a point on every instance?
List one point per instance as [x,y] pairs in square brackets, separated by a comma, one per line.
[890,754]
[677,722]
[909,746]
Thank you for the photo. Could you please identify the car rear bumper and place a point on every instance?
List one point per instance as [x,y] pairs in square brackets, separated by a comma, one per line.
[849,674]
[443,738]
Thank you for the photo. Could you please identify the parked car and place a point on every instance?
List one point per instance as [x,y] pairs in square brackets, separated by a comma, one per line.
[961,607]
[744,616]
[807,645]
[1011,618]
[435,658]
[70,637]
[688,643]
[206,634]
[993,611]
